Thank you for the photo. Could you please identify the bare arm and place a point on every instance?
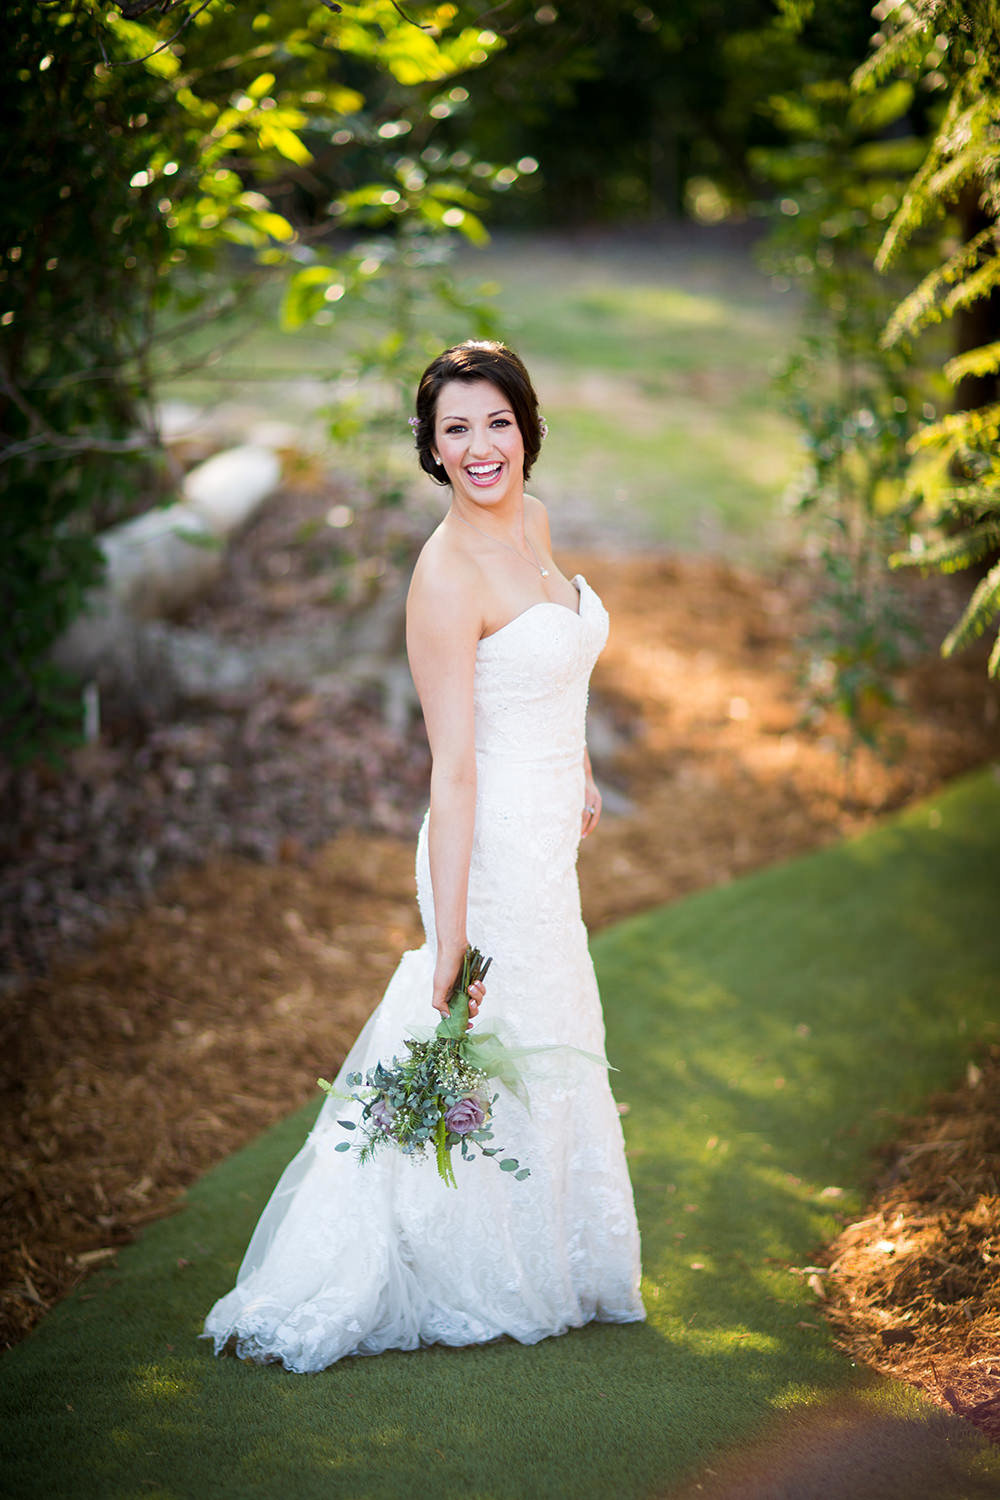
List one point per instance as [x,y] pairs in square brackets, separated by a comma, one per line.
[443,625]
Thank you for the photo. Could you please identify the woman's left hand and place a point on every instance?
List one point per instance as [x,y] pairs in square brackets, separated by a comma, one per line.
[591,804]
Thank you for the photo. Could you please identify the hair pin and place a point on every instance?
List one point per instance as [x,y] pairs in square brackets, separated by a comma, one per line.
[543,426]
[414,423]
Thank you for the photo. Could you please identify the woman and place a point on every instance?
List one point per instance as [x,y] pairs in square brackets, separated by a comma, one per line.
[350,1259]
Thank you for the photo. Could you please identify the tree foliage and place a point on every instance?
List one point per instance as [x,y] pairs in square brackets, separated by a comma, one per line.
[953,50]
[836,180]
[134,155]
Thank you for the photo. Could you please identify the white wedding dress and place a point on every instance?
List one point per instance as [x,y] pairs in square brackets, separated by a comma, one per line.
[350,1259]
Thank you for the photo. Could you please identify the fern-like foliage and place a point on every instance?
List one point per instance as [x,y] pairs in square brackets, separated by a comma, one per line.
[955,552]
[982,361]
[934,298]
[982,610]
[951,47]
[978,429]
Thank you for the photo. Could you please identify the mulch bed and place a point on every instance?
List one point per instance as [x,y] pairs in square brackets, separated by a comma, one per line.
[182,1012]
[914,1287]
[270,771]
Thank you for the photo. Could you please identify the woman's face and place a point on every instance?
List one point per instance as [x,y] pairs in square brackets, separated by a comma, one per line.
[478,442]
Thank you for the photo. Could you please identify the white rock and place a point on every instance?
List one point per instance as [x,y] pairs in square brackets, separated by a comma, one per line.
[177,420]
[159,560]
[227,489]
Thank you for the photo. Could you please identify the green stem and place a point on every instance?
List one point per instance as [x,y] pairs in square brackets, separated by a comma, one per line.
[445,1170]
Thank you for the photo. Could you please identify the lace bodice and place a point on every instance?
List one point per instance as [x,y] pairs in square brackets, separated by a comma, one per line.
[531,687]
[531,681]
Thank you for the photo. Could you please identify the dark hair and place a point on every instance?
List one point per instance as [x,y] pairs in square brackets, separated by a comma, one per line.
[477,359]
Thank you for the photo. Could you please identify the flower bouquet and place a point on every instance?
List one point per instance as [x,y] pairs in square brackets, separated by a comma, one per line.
[437,1096]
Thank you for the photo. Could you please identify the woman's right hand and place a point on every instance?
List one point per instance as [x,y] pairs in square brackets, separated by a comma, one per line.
[445,973]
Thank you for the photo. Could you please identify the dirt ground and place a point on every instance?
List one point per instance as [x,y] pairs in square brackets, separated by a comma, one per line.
[205,1012]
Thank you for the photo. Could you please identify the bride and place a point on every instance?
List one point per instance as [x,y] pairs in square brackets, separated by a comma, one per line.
[351,1259]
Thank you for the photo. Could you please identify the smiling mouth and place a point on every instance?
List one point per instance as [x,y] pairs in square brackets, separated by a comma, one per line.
[484,473]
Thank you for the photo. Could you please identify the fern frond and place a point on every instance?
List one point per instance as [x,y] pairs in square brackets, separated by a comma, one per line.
[979,612]
[953,553]
[983,494]
[982,361]
[907,45]
[872,113]
[993,665]
[968,427]
[974,160]
[916,206]
[980,284]
[926,304]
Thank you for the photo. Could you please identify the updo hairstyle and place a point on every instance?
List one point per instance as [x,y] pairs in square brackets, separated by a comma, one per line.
[476,359]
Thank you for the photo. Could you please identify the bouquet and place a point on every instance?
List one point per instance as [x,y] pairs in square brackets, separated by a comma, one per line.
[437,1096]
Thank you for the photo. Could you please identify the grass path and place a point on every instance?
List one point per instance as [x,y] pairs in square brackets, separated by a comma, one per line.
[766,1032]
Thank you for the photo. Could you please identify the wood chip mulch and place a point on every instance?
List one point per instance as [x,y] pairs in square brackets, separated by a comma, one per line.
[914,1287]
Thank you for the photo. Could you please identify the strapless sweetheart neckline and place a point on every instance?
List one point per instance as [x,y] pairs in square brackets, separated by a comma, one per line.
[578,580]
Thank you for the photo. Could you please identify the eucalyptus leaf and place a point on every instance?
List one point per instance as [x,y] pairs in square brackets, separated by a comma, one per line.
[348,1124]
[342,1146]
[509,1164]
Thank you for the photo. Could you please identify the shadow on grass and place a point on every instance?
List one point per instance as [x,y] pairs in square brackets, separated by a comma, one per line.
[843,1448]
[766,1033]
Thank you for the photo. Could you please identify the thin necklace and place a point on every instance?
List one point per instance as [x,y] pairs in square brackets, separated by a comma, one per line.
[544,571]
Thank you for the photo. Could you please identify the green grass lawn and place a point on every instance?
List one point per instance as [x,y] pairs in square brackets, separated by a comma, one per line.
[653,364]
[767,1034]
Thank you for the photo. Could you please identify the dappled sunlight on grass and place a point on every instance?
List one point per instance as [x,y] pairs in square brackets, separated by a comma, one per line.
[155,1383]
[765,1033]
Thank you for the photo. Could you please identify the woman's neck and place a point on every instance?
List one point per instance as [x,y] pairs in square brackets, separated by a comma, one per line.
[504,519]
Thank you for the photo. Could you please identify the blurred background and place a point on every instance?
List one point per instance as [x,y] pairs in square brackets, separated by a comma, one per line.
[749,253]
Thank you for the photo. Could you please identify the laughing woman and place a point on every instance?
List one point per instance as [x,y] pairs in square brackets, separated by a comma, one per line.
[350,1259]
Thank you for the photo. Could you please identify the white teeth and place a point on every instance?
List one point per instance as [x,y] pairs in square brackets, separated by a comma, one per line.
[480,469]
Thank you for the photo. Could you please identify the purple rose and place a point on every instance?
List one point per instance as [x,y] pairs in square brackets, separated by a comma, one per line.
[383,1114]
[465,1115]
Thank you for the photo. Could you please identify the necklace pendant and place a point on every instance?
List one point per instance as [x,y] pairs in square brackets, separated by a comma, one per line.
[545,572]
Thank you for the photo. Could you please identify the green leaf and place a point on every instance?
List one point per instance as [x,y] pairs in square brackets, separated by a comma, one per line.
[348,1124]
[195,538]
[342,1146]
[285,142]
[260,87]
[520,1176]
[510,1164]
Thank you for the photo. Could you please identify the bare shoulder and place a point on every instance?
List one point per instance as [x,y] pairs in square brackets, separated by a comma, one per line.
[445,593]
[537,518]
